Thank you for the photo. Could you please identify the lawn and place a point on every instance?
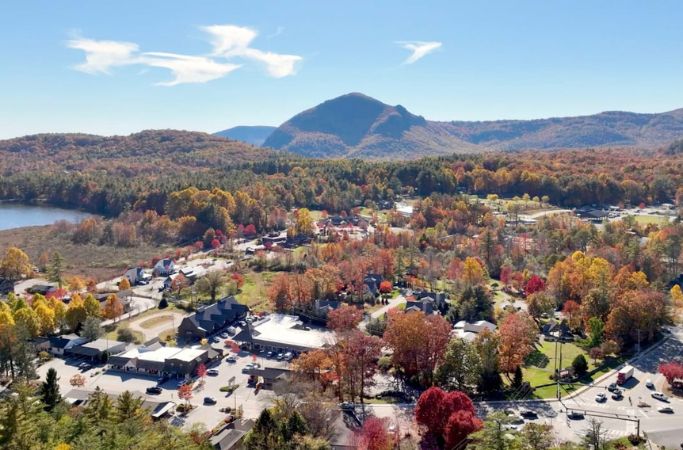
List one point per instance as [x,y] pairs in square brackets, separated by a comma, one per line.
[647,219]
[156,321]
[254,292]
[540,365]
[113,335]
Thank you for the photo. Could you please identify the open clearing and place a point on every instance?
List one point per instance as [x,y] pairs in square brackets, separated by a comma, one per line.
[101,262]
[155,321]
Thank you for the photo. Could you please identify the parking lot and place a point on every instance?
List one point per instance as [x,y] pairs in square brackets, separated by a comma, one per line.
[118,382]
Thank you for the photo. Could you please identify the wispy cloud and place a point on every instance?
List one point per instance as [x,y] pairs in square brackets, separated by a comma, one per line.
[100,56]
[229,42]
[187,69]
[419,49]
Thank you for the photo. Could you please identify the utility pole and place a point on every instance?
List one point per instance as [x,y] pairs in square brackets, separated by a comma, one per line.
[638,341]
[557,372]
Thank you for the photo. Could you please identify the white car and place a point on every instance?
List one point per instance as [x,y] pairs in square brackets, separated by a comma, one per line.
[649,384]
[660,396]
[601,397]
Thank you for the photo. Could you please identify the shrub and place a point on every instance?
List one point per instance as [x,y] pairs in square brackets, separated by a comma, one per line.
[229,389]
[125,335]
[580,365]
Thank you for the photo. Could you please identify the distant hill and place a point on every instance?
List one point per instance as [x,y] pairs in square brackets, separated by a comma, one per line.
[146,151]
[254,135]
[355,125]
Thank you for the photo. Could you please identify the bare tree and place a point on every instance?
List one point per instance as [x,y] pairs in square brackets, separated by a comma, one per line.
[596,435]
[211,283]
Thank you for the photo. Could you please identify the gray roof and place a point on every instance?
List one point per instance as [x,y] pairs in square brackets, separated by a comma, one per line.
[214,317]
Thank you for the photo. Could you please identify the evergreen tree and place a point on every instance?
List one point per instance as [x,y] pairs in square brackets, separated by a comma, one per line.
[519,377]
[55,269]
[50,390]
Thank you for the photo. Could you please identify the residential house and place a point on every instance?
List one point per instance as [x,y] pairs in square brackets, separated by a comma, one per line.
[426,305]
[231,437]
[59,345]
[322,308]
[469,331]
[164,267]
[372,282]
[136,276]
[208,320]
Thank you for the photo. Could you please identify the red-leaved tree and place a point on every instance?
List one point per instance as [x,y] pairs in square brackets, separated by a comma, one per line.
[385,287]
[201,370]
[671,371]
[374,435]
[534,284]
[344,318]
[449,417]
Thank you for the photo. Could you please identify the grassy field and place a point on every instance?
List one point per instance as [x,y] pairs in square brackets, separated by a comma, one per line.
[113,334]
[254,292]
[156,321]
[650,219]
[540,365]
[102,262]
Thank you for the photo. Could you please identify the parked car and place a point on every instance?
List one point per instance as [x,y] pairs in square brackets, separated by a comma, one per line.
[612,387]
[210,401]
[528,413]
[617,395]
[516,419]
[601,397]
[289,356]
[232,330]
[665,410]
[231,359]
[154,390]
[280,357]
[575,415]
[269,355]
[212,372]
[660,396]
[649,384]
[225,335]
[347,406]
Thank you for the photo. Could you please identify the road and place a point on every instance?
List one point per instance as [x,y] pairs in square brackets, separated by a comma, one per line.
[661,429]
[394,302]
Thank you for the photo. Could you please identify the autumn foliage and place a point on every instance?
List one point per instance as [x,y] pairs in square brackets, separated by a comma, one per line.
[448,416]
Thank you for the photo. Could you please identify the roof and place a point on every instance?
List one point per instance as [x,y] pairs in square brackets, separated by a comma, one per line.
[288,331]
[188,354]
[216,315]
[103,344]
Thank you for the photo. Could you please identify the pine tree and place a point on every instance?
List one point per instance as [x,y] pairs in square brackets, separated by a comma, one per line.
[519,377]
[50,390]
[55,269]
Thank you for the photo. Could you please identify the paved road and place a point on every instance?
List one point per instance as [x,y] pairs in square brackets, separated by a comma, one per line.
[662,429]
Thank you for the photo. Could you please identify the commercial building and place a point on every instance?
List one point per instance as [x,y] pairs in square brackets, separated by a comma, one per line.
[283,333]
[156,359]
[211,319]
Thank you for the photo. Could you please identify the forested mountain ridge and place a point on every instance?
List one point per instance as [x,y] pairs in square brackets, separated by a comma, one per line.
[148,151]
[254,135]
[355,125]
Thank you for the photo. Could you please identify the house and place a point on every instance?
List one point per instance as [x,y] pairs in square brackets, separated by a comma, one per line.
[283,333]
[136,276]
[208,320]
[266,377]
[322,308]
[193,273]
[6,286]
[469,331]
[231,436]
[59,345]
[553,330]
[438,298]
[99,349]
[426,305]
[164,267]
[372,282]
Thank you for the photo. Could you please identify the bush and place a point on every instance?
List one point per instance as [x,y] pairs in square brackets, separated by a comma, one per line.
[229,389]
[580,365]
[163,303]
[125,335]
[44,356]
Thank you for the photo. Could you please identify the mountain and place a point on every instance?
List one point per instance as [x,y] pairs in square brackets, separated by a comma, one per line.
[355,125]
[149,151]
[254,135]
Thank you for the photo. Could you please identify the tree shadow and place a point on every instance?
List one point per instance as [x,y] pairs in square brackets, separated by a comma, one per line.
[537,359]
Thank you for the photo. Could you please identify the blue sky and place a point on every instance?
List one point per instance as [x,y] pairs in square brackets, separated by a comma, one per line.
[209,65]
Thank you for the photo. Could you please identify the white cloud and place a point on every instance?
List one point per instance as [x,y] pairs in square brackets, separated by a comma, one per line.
[187,69]
[419,49]
[100,56]
[230,41]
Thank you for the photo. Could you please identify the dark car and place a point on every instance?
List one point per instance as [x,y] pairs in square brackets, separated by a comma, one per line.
[154,390]
[575,415]
[612,387]
[528,413]
[210,401]
[617,394]
[231,359]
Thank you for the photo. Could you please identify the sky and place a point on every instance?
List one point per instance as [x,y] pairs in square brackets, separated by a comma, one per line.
[123,66]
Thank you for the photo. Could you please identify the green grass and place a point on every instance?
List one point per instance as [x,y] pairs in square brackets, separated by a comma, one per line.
[540,365]
[254,292]
[651,219]
[139,338]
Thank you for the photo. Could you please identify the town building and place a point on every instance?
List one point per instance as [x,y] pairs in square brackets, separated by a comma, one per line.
[211,319]
[157,359]
[283,333]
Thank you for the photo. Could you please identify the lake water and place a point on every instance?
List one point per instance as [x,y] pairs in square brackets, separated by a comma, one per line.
[15,216]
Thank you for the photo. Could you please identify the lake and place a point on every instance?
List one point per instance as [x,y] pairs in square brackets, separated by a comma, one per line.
[13,215]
